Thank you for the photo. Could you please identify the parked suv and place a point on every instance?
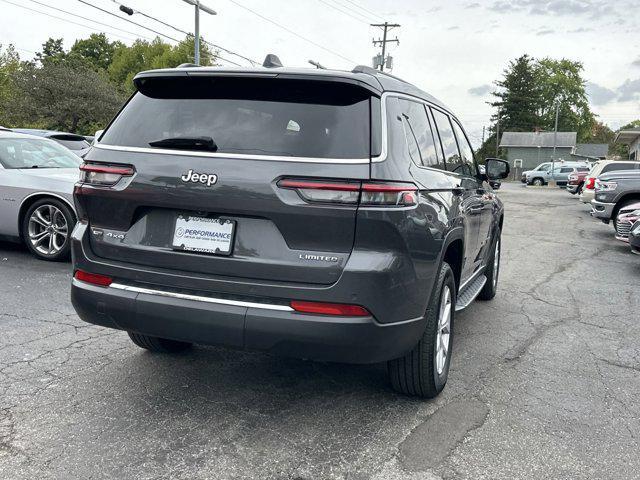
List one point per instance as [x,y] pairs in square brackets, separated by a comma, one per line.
[600,168]
[615,191]
[336,216]
[560,173]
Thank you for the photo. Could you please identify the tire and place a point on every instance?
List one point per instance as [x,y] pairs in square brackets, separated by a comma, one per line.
[493,270]
[423,372]
[616,210]
[157,344]
[537,182]
[46,229]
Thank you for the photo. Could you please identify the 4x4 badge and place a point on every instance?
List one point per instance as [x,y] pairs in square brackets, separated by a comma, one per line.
[207,179]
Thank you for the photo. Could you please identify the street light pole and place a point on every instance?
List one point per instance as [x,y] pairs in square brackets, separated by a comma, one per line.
[196,41]
[555,142]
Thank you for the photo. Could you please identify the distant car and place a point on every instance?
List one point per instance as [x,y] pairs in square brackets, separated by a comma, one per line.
[615,191]
[576,179]
[600,168]
[634,238]
[37,176]
[76,143]
[626,217]
[543,167]
[560,173]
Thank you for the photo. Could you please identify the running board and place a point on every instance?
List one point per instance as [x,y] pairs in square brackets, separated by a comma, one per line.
[470,292]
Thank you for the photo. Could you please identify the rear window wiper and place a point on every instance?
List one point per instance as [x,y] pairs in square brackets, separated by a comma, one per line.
[186,143]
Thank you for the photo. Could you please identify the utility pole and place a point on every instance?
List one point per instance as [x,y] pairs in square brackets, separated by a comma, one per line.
[380,60]
[483,135]
[497,135]
[196,41]
[555,142]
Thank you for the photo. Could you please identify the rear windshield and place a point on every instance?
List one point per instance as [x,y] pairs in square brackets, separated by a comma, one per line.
[72,144]
[249,116]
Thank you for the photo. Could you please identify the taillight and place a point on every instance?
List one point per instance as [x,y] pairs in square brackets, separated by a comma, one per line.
[591,183]
[93,278]
[350,192]
[100,174]
[321,308]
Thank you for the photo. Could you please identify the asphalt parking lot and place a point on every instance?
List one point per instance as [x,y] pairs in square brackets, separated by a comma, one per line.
[544,384]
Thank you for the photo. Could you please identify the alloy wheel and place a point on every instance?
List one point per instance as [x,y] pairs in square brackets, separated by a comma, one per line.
[48,230]
[444,330]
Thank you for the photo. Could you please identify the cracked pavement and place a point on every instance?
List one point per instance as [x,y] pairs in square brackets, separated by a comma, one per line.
[544,381]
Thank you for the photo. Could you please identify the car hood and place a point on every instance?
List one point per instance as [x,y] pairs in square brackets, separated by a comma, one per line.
[70,175]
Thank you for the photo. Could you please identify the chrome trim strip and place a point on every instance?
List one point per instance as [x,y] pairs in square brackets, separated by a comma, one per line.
[199,298]
[271,158]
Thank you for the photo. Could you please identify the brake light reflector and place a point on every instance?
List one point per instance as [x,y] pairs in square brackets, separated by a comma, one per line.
[389,194]
[349,192]
[321,308]
[100,174]
[93,278]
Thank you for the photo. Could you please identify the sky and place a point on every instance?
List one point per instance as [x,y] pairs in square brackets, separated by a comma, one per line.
[454,50]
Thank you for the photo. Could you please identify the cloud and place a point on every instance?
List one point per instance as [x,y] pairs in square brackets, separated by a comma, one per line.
[481,90]
[629,90]
[599,95]
[592,8]
[580,30]
[454,27]
[472,5]
[545,31]
[636,62]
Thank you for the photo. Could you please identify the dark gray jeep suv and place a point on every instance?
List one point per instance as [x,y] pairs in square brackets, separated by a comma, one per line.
[328,215]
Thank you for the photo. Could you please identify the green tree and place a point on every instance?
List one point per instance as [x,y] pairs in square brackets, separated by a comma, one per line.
[61,96]
[143,55]
[9,65]
[519,96]
[52,51]
[561,82]
[96,50]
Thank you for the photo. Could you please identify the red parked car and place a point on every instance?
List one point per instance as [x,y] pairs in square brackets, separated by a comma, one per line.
[576,180]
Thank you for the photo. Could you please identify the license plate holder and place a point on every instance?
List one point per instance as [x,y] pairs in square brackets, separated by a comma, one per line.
[192,233]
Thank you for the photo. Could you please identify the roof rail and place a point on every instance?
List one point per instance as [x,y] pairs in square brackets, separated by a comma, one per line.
[373,71]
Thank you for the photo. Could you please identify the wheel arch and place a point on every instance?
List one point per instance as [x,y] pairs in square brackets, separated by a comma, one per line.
[34,197]
[453,252]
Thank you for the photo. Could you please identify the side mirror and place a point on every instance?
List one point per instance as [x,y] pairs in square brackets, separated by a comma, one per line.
[496,169]
[97,136]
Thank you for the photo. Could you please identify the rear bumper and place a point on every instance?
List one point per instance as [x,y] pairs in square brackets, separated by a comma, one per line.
[272,328]
[602,210]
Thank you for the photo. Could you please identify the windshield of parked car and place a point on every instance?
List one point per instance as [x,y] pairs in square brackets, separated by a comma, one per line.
[35,153]
[73,144]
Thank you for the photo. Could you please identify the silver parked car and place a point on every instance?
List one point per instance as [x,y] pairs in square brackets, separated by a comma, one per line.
[78,144]
[37,176]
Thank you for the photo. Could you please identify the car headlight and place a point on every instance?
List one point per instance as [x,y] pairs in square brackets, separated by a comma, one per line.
[606,186]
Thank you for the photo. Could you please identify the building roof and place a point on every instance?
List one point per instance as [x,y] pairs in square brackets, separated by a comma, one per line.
[538,139]
[594,150]
[627,137]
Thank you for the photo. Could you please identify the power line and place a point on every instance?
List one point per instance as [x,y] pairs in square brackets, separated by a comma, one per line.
[127,20]
[188,33]
[286,29]
[61,19]
[88,19]
[357,12]
[343,11]
[362,8]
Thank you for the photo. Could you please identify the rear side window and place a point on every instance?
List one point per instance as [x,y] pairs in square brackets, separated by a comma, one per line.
[612,167]
[466,152]
[583,169]
[566,170]
[449,145]
[419,133]
[279,117]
